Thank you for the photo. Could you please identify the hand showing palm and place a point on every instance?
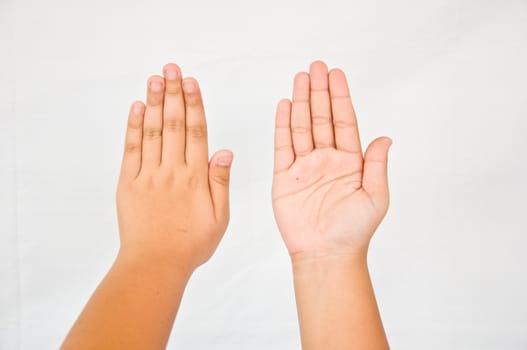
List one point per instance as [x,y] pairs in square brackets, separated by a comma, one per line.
[327,198]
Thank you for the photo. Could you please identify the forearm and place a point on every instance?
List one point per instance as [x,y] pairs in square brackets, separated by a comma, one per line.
[336,304]
[134,307]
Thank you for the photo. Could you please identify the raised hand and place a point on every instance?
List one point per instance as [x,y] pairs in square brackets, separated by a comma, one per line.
[171,201]
[328,198]
[173,208]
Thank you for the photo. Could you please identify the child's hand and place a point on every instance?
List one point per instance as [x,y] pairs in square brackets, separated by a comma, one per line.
[327,198]
[172,204]
[173,209]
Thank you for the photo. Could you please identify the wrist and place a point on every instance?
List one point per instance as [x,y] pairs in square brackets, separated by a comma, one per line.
[162,263]
[333,256]
[324,265]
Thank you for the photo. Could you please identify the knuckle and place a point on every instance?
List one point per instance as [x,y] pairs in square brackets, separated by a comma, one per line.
[134,124]
[174,125]
[192,99]
[222,179]
[193,182]
[155,100]
[197,131]
[164,180]
[173,90]
[152,133]
[132,147]
[146,185]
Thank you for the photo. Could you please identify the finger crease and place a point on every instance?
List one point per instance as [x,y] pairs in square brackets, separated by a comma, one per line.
[284,148]
[324,145]
[303,153]
[320,120]
[301,129]
[342,124]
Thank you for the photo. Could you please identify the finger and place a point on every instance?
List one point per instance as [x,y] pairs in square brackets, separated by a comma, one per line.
[196,152]
[219,174]
[153,124]
[284,155]
[174,118]
[321,106]
[301,116]
[133,142]
[375,174]
[345,122]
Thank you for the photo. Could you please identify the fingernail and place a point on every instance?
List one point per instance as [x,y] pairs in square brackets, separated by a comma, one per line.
[189,86]
[224,161]
[171,74]
[156,86]
[138,108]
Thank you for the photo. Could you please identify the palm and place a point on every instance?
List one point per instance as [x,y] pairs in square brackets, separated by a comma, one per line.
[319,199]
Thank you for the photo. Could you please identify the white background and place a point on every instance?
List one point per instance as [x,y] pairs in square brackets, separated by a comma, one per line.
[447,80]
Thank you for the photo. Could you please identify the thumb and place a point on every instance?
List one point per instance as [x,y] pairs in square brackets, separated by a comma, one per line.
[219,174]
[375,173]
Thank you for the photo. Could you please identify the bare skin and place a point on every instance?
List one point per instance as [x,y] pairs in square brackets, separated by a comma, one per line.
[328,200]
[173,209]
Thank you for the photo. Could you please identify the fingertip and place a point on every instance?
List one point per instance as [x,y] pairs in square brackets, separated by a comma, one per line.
[386,139]
[336,71]
[156,83]
[390,143]
[137,108]
[284,102]
[190,85]
[318,64]
[318,72]
[337,80]
[301,87]
[171,71]
[219,179]
[223,158]
[301,76]
[283,108]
